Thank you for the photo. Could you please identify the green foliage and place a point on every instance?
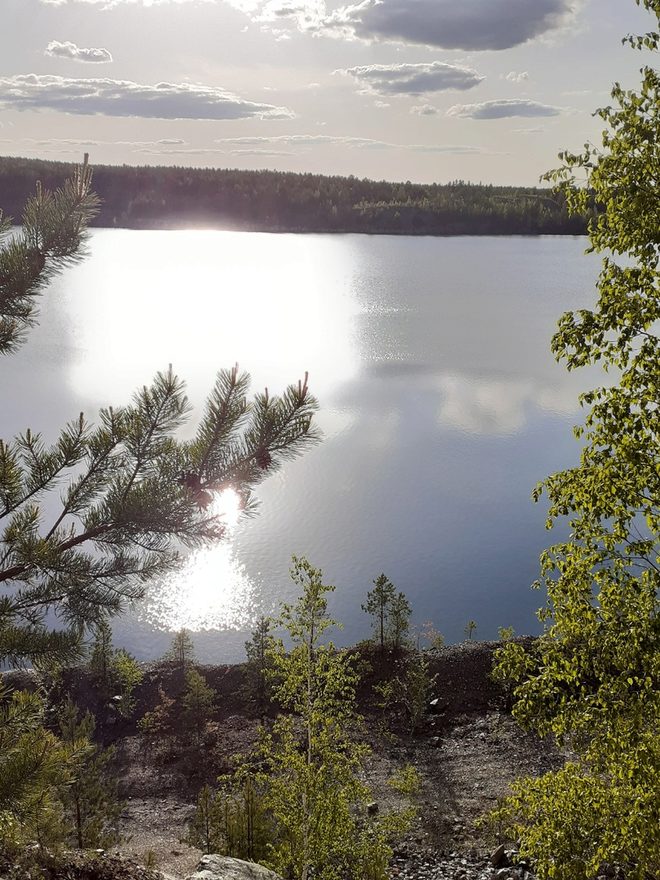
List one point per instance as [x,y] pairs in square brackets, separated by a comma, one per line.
[408,690]
[232,821]
[133,494]
[505,633]
[182,650]
[592,679]
[127,675]
[378,605]
[90,800]
[398,622]
[156,723]
[433,638]
[198,701]
[116,672]
[34,765]
[51,237]
[260,665]
[309,764]
[470,627]
[390,612]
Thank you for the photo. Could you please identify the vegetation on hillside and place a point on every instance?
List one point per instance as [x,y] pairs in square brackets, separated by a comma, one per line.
[275,201]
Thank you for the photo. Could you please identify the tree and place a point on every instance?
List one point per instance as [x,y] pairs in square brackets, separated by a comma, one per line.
[90,800]
[310,764]
[260,668]
[232,820]
[408,690]
[182,650]
[156,723]
[433,637]
[470,627]
[198,701]
[116,671]
[398,621]
[133,493]
[592,678]
[100,661]
[378,605]
[34,764]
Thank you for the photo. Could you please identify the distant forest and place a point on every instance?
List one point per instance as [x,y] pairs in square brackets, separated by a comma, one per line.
[274,201]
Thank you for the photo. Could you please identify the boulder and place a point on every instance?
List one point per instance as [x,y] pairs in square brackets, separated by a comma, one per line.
[499,858]
[214,867]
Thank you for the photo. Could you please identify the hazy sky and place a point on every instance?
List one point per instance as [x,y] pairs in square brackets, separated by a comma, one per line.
[417,90]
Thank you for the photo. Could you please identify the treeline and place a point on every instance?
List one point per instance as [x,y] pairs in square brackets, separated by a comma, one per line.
[276,201]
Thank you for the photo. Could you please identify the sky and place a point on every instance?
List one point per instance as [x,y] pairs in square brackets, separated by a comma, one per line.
[420,90]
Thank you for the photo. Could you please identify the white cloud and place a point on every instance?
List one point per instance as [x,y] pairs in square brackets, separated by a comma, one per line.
[68,50]
[413,79]
[503,109]
[110,97]
[424,110]
[469,24]
[307,140]
[515,77]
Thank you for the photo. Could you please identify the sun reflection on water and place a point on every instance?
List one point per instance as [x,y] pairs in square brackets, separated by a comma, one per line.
[211,590]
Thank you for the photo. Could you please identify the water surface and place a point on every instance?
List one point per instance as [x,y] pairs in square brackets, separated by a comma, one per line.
[441,406]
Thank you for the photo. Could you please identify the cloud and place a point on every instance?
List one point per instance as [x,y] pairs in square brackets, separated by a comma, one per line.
[424,110]
[467,25]
[498,406]
[413,79]
[110,97]
[262,153]
[514,77]
[470,24]
[309,140]
[503,109]
[70,51]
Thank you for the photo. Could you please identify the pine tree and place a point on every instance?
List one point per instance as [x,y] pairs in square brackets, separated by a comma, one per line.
[90,800]
[378,604]
[198,701]
[116,672]
[157,723]
[132,492]
[182,650]
[100,661]
[204,830]
[34,765]
[260,663]
[398,622]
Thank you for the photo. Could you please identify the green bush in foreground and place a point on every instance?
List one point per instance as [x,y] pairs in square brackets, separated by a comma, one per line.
[592,679]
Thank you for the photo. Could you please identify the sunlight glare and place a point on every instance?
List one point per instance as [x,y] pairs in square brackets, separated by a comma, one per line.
[211,591]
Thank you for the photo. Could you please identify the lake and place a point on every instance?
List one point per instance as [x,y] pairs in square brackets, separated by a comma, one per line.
[441,407]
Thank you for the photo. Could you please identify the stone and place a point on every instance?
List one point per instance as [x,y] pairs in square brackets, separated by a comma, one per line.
[498,856]
[215,867]
[372,809]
